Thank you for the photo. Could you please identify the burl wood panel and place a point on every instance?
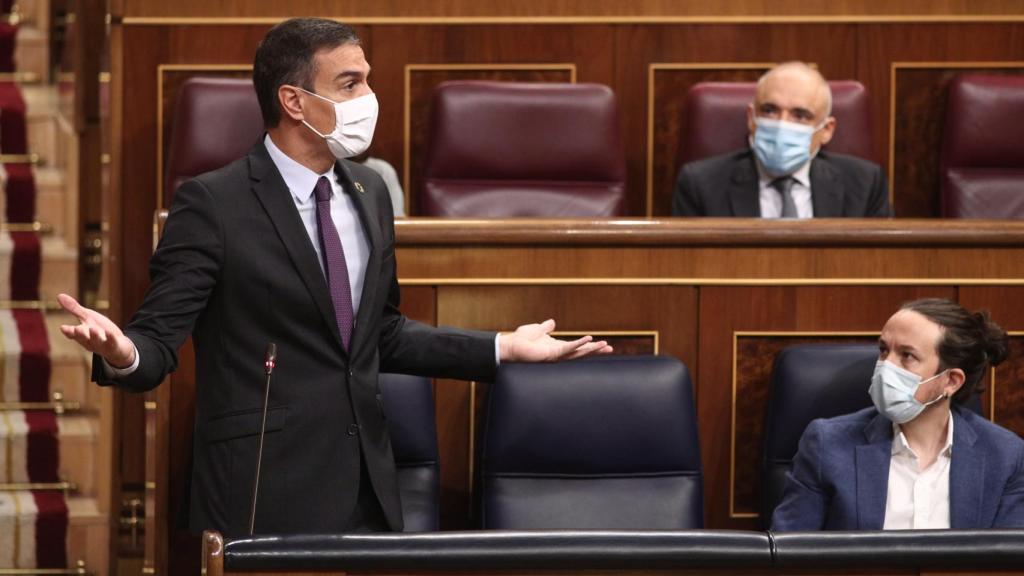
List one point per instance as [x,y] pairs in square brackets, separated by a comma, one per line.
[755,359]
[919,120]
[541,8]
[670,311]
[777,309]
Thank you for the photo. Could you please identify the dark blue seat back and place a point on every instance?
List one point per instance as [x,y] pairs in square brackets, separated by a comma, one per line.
[602,443]
[408,403]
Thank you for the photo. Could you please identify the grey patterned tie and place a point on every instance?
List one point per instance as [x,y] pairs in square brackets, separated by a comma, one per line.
[334,261]
[784,185]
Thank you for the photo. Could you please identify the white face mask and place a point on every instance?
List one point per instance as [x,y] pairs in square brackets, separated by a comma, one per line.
[893,389]
[354,123]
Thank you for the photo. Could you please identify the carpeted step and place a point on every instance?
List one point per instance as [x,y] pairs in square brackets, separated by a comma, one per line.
[40,446]
[21,262]
[18,186]
[33,529]
[13,115]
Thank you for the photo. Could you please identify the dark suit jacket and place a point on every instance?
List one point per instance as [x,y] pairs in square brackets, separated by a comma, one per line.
[727,185]
[840,475]
[236,269]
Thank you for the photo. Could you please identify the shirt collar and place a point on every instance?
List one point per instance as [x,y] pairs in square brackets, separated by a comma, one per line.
[900,445]
[300,180]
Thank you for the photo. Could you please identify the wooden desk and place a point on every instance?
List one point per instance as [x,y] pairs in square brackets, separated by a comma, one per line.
[723,295]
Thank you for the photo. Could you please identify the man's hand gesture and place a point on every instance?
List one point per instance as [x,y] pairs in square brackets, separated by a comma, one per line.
[533,343]
[96,333]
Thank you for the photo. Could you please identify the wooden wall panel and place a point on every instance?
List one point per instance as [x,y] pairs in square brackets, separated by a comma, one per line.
[724,311]
[879,48]
[652,9]
[919,118]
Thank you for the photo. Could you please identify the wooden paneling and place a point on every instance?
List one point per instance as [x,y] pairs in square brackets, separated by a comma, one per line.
[879,48]
[651,9]
[919,117]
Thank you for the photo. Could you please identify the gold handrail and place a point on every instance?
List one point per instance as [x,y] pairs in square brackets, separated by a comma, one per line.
[36,226]
[30,158]
[46,305]
[78,570]
[23,77]
[38,486]
[58,406]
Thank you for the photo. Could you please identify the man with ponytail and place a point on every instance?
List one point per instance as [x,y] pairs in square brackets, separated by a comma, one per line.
[918,458]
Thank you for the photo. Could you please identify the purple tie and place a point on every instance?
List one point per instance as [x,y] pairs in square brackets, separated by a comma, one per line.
[334,261]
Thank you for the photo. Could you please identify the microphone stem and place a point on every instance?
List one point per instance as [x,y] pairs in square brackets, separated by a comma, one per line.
[259,452]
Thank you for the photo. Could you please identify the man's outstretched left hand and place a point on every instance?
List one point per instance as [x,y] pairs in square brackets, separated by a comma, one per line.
[533,343]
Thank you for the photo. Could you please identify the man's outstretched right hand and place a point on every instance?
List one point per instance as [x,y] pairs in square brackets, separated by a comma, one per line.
[98,334]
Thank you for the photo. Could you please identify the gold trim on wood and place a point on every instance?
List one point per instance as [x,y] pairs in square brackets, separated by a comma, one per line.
[38,486]
[78,570]
[651,70]
[736,335]
[919,65]
[407,100]
[31,158]
[549,20]
[57,407]
[160,69]
[20,77]
[40,227]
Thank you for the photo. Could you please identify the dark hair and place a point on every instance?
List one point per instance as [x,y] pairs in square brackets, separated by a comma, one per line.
[970,341]
[286,56]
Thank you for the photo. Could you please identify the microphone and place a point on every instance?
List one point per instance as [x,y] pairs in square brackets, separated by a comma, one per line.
[269,361]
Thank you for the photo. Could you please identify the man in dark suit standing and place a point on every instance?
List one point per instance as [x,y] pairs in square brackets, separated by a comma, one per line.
[295,245]
[784,173]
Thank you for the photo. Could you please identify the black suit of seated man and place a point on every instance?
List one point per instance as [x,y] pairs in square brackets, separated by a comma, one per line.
[785,172]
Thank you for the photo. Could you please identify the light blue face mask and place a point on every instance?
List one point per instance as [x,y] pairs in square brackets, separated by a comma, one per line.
[783,146]
[893,389]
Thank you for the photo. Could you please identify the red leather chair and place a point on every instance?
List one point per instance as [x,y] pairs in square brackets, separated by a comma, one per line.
[508,149]
[982,166]
[716,119]
[216,121]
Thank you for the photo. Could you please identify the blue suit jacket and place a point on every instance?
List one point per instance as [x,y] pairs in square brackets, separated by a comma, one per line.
[840,475]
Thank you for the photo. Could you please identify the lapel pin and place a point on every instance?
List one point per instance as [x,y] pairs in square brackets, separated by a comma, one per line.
[360,188]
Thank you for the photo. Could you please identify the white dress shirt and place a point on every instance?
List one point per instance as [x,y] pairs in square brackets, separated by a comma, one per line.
[771,199]
[916,498]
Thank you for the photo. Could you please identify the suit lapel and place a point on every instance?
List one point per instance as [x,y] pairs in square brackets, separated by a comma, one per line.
[872,463]
[371,228]
[966,476]
[826,189]
[273,194]
[744,190]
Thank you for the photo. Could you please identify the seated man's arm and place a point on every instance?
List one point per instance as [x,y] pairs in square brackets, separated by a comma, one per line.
[685,198]
[1011,504]
[878,201]
[804,502]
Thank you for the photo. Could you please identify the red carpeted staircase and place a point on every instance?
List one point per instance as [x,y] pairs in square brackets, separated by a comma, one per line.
[48,429]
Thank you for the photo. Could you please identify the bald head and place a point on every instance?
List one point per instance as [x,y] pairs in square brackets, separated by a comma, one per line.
[801,83]
[795,92]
